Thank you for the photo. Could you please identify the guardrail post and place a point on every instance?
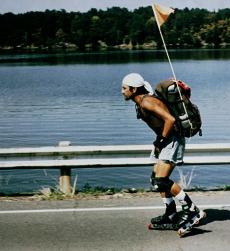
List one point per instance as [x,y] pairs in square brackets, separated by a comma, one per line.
[65,175]
[65,180]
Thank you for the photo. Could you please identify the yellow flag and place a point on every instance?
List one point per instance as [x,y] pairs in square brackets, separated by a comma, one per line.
[161,13]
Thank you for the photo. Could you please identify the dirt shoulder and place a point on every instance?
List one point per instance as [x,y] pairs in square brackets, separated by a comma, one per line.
[106,196]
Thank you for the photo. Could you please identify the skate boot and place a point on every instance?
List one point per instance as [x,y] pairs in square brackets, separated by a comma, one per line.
[191,216]
[163,222]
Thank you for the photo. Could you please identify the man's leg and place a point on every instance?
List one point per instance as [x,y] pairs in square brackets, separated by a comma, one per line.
[163,170]
[169,189]
[162,183]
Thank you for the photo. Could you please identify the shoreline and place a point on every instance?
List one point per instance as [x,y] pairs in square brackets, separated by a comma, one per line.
[118,48]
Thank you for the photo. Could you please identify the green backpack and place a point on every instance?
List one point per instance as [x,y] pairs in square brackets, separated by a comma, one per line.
[187,114]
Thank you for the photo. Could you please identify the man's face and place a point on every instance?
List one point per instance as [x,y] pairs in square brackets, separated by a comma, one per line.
[127,92]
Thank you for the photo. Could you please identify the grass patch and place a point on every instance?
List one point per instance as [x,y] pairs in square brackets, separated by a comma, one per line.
[226,188]
[87,189]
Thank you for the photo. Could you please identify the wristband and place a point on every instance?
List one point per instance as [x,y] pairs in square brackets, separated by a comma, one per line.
[160,142]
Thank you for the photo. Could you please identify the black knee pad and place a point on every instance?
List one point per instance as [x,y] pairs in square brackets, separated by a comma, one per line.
[162,184]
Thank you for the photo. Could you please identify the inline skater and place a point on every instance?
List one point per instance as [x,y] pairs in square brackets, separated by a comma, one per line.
[168,150]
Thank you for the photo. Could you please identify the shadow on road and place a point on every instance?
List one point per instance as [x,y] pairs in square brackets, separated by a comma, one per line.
[216,215]
[197,231]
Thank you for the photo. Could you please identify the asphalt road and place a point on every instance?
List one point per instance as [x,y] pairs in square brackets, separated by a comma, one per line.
[109,224]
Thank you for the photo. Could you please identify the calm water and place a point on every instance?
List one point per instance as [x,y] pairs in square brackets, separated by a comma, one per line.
[45,99]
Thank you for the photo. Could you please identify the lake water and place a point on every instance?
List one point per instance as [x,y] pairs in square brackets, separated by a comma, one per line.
[45,99]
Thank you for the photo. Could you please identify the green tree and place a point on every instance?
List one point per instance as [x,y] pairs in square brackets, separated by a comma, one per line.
[114,26]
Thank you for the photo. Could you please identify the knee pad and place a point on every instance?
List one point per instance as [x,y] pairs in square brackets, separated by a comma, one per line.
[162,184]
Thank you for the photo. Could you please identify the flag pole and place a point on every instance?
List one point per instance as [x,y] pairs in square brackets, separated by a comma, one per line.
[170,63]
[165,47]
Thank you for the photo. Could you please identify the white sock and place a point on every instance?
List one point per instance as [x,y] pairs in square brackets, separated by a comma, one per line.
[181,196]
[167,202]
[185,200]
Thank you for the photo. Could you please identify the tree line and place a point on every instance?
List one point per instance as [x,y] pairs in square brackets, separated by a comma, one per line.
[113,28]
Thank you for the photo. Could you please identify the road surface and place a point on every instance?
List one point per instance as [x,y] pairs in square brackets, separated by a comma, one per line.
[109,224]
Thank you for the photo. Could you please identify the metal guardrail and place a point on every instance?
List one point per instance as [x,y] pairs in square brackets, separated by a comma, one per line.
[67,157]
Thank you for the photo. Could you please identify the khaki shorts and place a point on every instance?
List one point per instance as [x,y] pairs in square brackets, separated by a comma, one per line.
[173,152]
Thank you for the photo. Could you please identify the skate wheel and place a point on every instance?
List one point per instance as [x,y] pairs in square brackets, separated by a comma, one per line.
[180,233]
[184,230]
[150,226]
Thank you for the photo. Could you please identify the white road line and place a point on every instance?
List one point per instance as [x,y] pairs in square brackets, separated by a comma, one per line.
[103,209]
